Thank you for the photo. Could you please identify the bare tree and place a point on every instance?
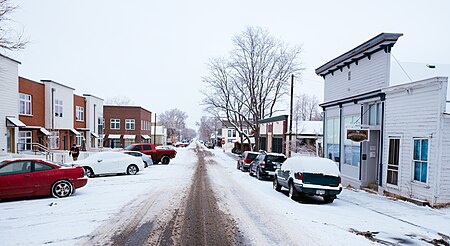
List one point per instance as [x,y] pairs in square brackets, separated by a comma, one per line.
[118,101]
[207,127]
[188,133]
[307,108]
[175,121]
[9,38]
[247,86]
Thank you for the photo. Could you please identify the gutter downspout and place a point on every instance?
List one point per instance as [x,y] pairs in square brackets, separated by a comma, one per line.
[440,132]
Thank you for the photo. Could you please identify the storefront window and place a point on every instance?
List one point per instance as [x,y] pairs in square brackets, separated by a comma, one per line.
[352,150]
[332,138]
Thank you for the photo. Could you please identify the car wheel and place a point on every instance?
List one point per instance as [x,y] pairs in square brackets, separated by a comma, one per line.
[237,166]
[329,199]
[250,172]
[132,169]
[258,174]
[165,160]
[155,162]
[293,194]
[62,188]
[276,185]
[88,172]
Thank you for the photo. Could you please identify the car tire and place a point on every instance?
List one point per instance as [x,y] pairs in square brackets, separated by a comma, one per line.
[237,166]
[62,188]
[165,160]
[250,172]
[293,194]
[276,185]
[155,162]
[132,169]
[329,199]
[88,172]
[258,174]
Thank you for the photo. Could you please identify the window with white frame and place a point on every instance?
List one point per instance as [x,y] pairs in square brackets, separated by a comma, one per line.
[420,159]
[229,133]
[114,124]
[25,140]
[375,114]
[54,140]
[79,116]
[79,138]
[25,104]
[352,150]
[393,160]
[332,138]
[58,108]
[130,124]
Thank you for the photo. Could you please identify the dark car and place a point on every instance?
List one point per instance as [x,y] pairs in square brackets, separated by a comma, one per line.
[36,177]
[265,164]
[209,145]
[314,176]
[244,161]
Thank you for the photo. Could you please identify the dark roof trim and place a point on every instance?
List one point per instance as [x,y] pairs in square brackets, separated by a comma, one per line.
[354,99]
[273,119]
[54,82]
[361,49]
[10,59]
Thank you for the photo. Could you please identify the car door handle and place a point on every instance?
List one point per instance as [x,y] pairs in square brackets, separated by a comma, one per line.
[99,160]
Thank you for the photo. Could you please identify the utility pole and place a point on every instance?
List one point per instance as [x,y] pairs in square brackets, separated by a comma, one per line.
[154,133]
[290,115]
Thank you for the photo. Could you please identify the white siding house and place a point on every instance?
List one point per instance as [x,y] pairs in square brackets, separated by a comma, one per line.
[59,108]
[94,121]
[9,104]
[402,128]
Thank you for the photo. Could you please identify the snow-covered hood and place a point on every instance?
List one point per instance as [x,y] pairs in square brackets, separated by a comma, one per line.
[308,164]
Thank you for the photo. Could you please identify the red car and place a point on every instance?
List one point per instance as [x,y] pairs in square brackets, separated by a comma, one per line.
[158,155]
[35,177]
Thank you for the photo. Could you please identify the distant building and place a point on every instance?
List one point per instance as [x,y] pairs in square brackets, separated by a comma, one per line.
[125,125]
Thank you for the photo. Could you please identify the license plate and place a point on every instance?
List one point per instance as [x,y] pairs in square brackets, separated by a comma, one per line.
[320,192]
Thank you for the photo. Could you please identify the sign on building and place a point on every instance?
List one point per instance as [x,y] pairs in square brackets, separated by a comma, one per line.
[358,135]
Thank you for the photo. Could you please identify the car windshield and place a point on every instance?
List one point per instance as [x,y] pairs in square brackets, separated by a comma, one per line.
[251,155]
[276,158]
[128,147]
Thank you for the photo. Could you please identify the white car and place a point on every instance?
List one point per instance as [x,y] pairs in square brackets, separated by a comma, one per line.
[309,175]
[147,159]
[110,163]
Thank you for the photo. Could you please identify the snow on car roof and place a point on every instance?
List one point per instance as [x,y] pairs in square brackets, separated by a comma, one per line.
[311,164]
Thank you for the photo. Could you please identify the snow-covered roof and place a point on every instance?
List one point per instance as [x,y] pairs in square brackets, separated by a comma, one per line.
[308,128]
[406,72]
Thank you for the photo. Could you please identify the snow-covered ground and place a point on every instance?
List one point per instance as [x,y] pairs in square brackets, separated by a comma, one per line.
[265,217]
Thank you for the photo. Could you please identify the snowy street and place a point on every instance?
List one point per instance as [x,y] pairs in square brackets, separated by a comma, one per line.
[201,198]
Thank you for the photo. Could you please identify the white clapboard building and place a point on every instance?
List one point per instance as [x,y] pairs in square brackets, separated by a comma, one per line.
[387,129]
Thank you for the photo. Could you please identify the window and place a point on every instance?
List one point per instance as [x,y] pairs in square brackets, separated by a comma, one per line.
[393,160]
[41,167]
[129,124]
[375,114]
[25,104]
[147,147]
[229,133]
[234,133]
[229,140]
[115,124]
[332,138]
[25,140]
[79,139]
[17,167]
[100,124]
[420,159]
[352,150]
[79,113]
[58,108]
[54,140]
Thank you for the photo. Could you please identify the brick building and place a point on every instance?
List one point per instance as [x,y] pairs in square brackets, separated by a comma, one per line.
[125,125]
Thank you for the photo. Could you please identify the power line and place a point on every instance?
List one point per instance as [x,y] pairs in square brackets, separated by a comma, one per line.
[401,67]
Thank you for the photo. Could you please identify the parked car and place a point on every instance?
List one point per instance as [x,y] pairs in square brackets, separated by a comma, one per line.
[147,159]
[110,163]
[309,175]
[244,161]
[209,145]
[36,177]
[265,164]
[181,144]
[158,155]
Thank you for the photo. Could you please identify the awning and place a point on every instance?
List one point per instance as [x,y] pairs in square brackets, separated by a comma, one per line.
[14,122]
[83,129]
[129,136]
[95,135]
[145,136]
[114,136]
[44,131]
[74,131]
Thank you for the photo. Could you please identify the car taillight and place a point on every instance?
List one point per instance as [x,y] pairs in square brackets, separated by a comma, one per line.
[263,164]
[340,180]
[298,176]
[247,160]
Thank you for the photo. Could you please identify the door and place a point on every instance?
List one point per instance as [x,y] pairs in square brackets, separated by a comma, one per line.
[370,160]
[393,161]
[43,178]
[16,180]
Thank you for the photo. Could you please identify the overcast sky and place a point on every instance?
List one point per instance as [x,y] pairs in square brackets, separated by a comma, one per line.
[155,52]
